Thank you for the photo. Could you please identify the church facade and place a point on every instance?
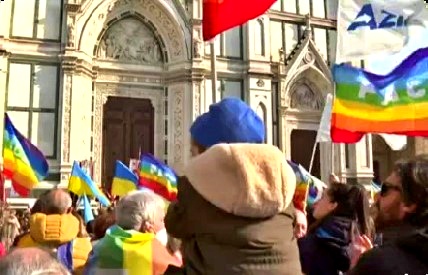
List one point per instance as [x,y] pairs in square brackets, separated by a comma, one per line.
[104,80]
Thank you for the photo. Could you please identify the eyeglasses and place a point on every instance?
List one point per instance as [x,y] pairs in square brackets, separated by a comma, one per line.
[387,186]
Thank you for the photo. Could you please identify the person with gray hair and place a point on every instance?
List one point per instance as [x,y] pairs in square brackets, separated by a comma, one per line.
[31,261]
[139,234]
[55,227]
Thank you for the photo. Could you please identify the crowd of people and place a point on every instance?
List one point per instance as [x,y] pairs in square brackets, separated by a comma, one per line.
[235,214]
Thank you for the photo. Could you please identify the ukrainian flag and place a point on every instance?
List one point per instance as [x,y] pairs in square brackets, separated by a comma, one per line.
[81,184]
[124,180]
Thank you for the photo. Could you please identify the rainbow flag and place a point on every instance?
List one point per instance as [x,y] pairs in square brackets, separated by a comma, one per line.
[124,180]
[129,251]
[396,103]
[308,188]
[158,177]
[81,184]
[23,162]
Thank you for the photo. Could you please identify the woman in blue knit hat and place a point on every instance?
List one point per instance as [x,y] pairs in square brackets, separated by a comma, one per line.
[234,211]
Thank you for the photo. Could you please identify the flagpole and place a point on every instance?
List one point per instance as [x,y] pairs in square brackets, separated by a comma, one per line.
[213,71]
[314,149]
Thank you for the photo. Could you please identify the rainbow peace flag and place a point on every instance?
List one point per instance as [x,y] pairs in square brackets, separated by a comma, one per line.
[396,103]
[81,184]
[309,189]
[124,180]
[23,162]
[158,177]
[129,251]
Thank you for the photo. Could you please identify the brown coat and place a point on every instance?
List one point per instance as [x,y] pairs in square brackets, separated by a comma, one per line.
[236,237]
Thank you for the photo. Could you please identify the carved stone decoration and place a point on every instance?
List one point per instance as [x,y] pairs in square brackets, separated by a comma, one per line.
[197,45]
[103,91]
[260,83]
[130,41]
[71,32]
[178,112]
[66,119]
[197,99]
[150,10]
[304,98]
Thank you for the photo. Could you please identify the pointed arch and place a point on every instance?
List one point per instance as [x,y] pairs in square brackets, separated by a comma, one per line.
[261,111]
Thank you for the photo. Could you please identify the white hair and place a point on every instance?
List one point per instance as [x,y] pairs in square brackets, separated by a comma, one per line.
[31,261]
[137,208]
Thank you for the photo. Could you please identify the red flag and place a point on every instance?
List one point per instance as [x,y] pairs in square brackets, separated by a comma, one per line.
[221,15]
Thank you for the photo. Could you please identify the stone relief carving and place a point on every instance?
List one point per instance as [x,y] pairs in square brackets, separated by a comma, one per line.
[178,95]
[196,99]
[66,118]
[197,45]
[129,40]
[71,33]
[304,98]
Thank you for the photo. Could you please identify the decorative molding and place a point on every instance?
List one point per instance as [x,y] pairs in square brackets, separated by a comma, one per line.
[260,83]
[196,99]
[102,92]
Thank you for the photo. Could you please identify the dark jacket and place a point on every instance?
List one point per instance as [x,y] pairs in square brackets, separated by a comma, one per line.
[325,250]
[407,255]
[216,241]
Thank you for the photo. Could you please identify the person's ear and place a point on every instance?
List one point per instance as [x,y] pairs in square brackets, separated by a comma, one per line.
[147,227]
[410,208]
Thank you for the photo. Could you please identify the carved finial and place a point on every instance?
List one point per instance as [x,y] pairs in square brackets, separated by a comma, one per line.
[281,55]
[308,30]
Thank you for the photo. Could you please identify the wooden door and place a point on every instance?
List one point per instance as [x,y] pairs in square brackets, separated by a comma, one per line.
[302,142]
[128,127]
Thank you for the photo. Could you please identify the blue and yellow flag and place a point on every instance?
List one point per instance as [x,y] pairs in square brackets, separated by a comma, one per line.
[124,180]
[81,184]
[88,215]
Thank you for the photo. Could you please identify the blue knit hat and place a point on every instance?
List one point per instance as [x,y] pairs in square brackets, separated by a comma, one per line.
[228,121]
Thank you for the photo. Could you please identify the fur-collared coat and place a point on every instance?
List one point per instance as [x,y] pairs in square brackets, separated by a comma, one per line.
[234,212]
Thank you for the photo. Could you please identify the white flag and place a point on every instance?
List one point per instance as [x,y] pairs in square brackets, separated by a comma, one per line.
[323,134]
[396,142]
[377,26]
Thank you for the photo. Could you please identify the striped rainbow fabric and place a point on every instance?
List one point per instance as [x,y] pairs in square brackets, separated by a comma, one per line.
[396,103]
[23,162]
[129,251]
[158,177]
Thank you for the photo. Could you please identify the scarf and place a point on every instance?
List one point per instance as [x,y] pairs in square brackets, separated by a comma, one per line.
[127,250]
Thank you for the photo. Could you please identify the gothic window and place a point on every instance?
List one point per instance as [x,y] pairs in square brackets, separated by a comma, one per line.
[275,112]
[261,112]
[317,8]
[259,34]
[225,88]
[32,103]
[284,36]
[304,98]
[130,40]
[37,19]
[228,44]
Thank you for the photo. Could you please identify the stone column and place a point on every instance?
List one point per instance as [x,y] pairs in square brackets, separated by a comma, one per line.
[176,126]
[359,161]
[3,80]
[260,99]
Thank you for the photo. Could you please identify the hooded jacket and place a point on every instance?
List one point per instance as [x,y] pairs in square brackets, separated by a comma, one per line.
[325,250]
[53,231]
[234,212]
[407,255]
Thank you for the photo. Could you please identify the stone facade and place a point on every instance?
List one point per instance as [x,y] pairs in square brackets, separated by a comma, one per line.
[153,50]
